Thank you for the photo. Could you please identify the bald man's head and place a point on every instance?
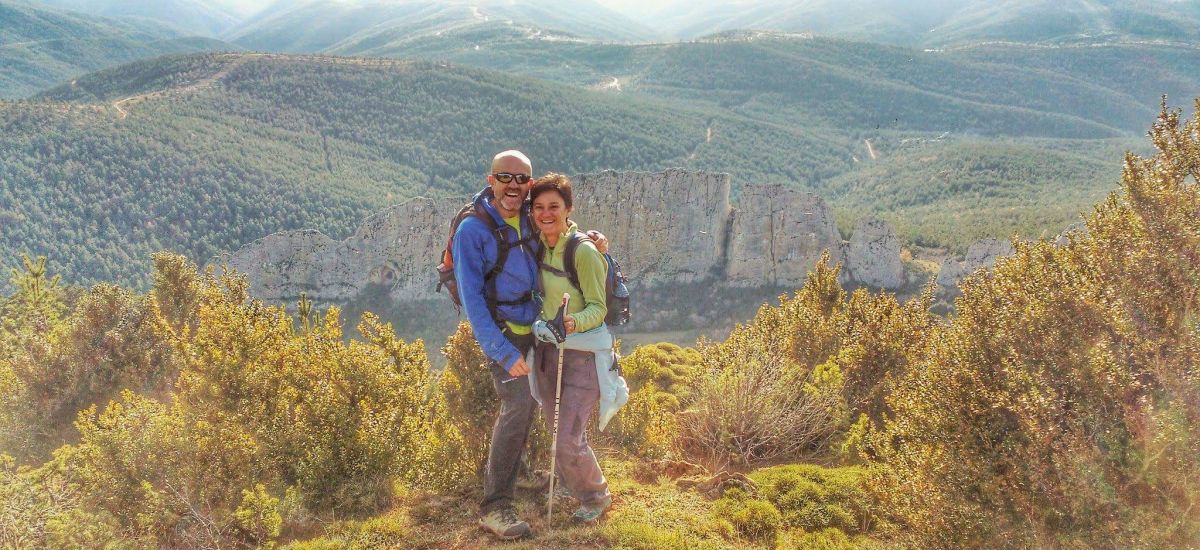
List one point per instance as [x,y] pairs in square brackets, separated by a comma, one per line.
[510,161]
[509,195]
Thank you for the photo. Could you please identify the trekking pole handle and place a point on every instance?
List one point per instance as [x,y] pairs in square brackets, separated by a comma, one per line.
[565,302]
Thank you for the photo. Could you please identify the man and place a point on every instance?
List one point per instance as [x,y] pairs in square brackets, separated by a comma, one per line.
[501,308]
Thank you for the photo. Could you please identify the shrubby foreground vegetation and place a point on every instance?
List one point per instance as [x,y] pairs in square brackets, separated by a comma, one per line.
[1059,406]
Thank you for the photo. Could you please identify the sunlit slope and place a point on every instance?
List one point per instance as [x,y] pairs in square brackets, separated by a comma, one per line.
[1071,92]
[329,25]
[952,193]
[193,17]
[235,147]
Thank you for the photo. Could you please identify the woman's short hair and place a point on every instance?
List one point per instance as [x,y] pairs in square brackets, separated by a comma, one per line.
[552,182]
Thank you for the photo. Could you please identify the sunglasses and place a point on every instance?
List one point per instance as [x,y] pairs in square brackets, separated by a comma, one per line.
[505,177]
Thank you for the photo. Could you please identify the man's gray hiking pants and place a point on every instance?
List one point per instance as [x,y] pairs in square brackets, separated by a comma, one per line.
[510,433]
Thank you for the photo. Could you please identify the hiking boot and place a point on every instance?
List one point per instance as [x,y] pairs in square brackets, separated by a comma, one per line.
[537,480]
[561,493]
[591,513]
[504,524]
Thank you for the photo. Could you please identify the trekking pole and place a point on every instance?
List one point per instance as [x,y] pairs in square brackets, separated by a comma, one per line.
[562,311]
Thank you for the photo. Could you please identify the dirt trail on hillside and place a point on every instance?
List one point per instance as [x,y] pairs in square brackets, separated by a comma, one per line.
[201,84]
[239,59]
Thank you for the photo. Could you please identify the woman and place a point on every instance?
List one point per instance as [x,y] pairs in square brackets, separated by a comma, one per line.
[551,199]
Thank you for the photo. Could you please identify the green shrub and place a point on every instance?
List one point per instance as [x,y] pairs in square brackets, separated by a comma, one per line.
[261,420]
[844,351]
[661,380]
[755,519]
[825,539]
[42,508]
[643,536]
[814,498]
[471,402]
[1048,412]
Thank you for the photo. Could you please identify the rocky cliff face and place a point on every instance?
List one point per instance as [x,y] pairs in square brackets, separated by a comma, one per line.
[667,228]
[980,255]
[777,235]
[873,255]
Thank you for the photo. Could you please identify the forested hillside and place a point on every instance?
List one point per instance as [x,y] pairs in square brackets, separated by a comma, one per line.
[988,89]
[263,143]
[852,122]
[42,47]
[240,146]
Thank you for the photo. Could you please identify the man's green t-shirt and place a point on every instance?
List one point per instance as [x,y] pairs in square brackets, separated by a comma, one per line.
[515,222]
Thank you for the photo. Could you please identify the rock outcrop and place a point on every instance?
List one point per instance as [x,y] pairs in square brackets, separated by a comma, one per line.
[1078,229]
[394,247]
[667,228]
[980,255]
[777,236]
[873,255]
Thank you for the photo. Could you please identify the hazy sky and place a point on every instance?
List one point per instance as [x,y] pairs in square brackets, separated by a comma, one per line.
[636,6]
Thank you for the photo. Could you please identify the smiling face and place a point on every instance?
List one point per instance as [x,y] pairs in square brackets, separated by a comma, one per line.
[550,213]
[509,196]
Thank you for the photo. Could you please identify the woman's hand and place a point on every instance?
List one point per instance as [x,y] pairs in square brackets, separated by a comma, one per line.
[599,240]
[569,323]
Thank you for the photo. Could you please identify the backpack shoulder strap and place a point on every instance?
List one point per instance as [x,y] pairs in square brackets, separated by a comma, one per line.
[569,260]
[501,237]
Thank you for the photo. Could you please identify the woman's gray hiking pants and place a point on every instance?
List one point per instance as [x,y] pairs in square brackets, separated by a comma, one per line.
[576,462]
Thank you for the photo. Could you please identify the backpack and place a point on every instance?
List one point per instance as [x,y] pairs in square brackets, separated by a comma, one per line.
[616,293]
[445,269]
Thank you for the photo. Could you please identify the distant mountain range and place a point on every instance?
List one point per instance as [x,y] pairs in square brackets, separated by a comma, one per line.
[191,17]
[316,25]
[42,47]
[326,25]
[939,23]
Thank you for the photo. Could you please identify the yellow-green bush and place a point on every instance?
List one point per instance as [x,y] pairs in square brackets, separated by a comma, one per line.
[471,401]
[661,380]
[814,498]
[243,420]
[668,368]
[42,508]
[753,518]
[59,361]
[471,407]
[1050,411]
[825,539]
[792,380]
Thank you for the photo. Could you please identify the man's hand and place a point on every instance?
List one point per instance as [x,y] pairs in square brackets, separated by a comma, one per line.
[569,324]
[519,368]
[599,239]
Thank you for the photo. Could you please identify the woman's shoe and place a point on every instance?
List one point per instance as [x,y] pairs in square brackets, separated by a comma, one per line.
[591,513]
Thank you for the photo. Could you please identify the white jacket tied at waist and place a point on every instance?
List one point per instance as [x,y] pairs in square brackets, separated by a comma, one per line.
[614,392]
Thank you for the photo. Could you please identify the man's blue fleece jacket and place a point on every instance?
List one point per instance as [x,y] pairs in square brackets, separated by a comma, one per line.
[475,252]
